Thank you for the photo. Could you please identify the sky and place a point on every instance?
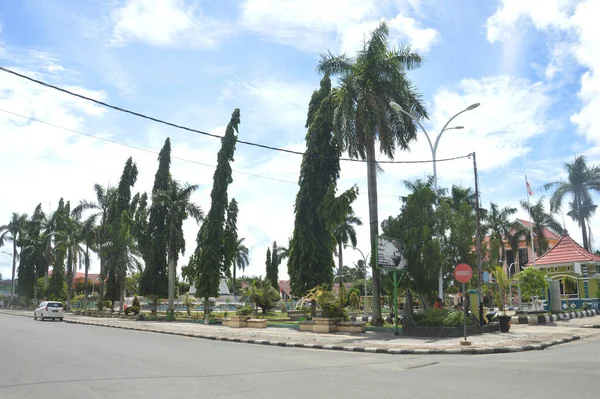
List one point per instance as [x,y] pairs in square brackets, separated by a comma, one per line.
[533,65]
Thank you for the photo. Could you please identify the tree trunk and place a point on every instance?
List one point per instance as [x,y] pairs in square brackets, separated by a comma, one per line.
[206,319]
[85,278]
[101,288]
[14,268]
[122,295]
[584,234]
[69,277]
[377,320]
[233,274]
[340,262]
[171,284]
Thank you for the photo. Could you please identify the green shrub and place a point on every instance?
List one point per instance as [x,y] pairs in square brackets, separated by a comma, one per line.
[108,304]
[440,318]
[244,311]
[136,302]
[128,310]
[134,309]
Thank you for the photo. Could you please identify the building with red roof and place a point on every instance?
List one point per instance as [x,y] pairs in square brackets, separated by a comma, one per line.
[569,259]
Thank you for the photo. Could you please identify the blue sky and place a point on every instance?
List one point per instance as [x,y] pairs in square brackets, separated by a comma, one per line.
[532,65]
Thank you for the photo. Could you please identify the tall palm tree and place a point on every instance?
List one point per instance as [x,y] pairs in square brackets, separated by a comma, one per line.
[514,235]
[11,232]
[363,116]
[582,180]
[541,221]
[240,261]
[89,231]
[69,240]
[100,210]
[345,233]
[179,208]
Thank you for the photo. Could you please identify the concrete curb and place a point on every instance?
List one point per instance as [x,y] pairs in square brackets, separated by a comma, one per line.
[351,348]
[547,319]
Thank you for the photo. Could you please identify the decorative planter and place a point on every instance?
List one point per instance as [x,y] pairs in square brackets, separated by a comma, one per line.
[238,321]
[504,323]
[306,325]
[116,315]
[131,316]
[257,323]
[295,315]
[351,327]
[324,324]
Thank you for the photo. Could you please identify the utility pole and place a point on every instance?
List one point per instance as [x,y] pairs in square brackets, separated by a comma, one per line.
[478,240]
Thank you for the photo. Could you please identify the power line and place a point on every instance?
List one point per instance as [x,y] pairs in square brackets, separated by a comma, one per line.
[152,151]
[139,148]
[177,126]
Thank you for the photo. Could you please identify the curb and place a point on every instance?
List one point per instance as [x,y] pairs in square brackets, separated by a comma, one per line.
[350,348]
[547,319]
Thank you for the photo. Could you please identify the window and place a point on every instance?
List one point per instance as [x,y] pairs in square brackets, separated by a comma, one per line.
[509,257]
[55,305]
[523,256]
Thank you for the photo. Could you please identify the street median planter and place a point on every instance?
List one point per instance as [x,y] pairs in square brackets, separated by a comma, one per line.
[325,324]
[351,327]
[237,321]
[256,323]
[306,325]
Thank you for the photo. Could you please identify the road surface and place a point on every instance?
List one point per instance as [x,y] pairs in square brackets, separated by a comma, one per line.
[59,360]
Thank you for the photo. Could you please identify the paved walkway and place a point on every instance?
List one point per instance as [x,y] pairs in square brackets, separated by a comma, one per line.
[520,338]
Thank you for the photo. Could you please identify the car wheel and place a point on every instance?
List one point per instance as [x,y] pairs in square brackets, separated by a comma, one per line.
[60,318]
[42,317]
[34,316]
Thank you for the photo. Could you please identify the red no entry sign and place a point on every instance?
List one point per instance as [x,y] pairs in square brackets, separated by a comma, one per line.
[463,273]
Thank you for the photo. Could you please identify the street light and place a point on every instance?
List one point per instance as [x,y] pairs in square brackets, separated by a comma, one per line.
[396,107]
[365,263]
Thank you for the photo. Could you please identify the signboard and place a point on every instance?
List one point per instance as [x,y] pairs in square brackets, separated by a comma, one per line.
[389,253]
[463,273]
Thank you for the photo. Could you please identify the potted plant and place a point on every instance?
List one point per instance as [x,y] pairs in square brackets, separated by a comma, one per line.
[502,281]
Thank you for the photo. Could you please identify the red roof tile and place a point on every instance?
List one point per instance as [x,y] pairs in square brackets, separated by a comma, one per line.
[566,250]
[547,232]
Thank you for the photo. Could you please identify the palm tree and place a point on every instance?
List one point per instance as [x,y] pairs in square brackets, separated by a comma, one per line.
[240,260]
[363,115]
[100,208]
[541,221]
[179,208]
[69,240]
[497,222]
[514,235]
[345,233]
[89,231]
[11,232]
[581,182]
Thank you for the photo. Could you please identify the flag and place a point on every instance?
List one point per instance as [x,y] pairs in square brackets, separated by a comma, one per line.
[529,190]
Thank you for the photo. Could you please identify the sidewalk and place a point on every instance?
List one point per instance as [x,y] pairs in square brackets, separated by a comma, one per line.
[520,338]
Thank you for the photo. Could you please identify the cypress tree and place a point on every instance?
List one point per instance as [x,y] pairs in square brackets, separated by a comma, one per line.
[231,238]
[209,256]
[269,266]
[311,249]
[155,278]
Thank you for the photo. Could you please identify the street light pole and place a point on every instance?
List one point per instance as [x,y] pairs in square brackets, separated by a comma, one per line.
[365,263]
[396,107]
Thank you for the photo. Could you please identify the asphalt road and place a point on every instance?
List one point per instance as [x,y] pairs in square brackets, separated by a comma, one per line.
[59,360]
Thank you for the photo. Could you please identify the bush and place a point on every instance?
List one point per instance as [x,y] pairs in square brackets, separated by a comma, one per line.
[244,311]
[132,309]
[440,318]
[108,304]
[128,310]
[136,302]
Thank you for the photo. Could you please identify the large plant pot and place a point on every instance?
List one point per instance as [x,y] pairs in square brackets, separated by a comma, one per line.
[504,323]
[325,324]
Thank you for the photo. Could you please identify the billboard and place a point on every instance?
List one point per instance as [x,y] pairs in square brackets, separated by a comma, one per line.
[389,253]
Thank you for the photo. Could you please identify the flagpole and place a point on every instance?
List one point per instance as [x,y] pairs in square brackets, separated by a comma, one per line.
[528,188]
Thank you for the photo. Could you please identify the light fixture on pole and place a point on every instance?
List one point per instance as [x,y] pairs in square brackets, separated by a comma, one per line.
[433,146]
[365,263]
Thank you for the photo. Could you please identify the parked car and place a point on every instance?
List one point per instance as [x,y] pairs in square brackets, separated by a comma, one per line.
[49,310]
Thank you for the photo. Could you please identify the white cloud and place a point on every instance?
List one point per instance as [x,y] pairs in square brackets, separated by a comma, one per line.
[314,26]
[166,23]
[578,43]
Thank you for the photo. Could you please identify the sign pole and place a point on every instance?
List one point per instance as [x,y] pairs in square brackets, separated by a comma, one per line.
[465,311]
[395,303]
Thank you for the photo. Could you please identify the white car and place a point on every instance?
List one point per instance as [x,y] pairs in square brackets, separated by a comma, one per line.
[49,310]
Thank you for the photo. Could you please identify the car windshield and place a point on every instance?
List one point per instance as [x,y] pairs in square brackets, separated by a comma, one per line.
[55,305]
